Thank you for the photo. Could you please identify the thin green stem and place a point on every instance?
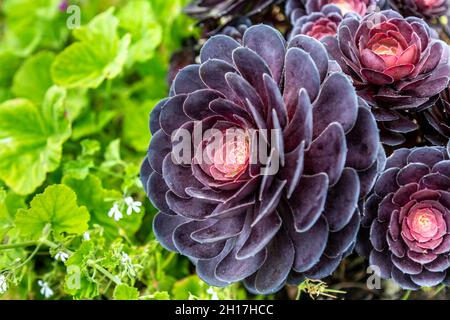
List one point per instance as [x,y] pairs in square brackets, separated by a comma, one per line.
[168,260]
[406,295]
[18,245]
[105,272]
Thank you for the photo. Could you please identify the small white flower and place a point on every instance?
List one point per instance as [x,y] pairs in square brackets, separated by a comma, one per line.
[132,205]
[86,236]
[62,256]
[115,212]
[213,293]
[125,258]
[3,284]
[128,264]
[45,289]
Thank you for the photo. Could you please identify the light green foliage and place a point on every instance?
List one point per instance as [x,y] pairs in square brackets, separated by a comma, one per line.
[33,24]
[33,78]
[56,207]
[125,292]
[74,107]
[139,20]
[31,137]
[85,64]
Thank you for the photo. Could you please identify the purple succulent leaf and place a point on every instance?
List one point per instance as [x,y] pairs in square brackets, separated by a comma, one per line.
[269,44]
[404,280]
[382,261]
[189,247]
[309,245]
[325,267]
[188,80]
[219,47]
[300,127]
[308,201]
[363,141]
[164,226]
[327,110]
[428,279]
[340,241]
[154,116]
[300,72]
[156,191]
[403,195]
[342,200]
[327,153]
[274,271]
[196,105]
[205,268]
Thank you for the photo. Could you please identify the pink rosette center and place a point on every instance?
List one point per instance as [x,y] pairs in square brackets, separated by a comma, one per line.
[346,6]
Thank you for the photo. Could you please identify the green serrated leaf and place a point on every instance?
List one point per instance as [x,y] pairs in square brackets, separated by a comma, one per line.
[99,201]
[9,204]
[31,140]
[78,169]
[33,24]
[86,64]
[33,78]
[187,287]
[135,126]
[160,295]
[125,292]
[89,147]
[138,19]
[56,207]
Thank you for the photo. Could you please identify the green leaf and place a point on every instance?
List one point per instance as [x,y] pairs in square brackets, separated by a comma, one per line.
[138,19]
[57,206]
[9,204]
[135,126]
[33,24]
[99,201]
[91,123]
[125,292]
[78,169]
[160,295]
[112,152]
[10,63]
[31,140]
[78,282]
[86,64]
[89,147]
[33,78]
[187,287]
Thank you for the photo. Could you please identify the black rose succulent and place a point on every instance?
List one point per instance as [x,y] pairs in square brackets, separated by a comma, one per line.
[406,221]
[232,216]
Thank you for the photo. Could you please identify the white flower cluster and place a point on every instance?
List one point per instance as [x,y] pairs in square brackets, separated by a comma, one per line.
[132,206]
[3,284]
[62,256]
[46,291]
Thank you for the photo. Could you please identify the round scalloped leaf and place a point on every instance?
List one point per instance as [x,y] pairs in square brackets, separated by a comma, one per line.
[56,207]
[33,79]
[31,140]
[86,64]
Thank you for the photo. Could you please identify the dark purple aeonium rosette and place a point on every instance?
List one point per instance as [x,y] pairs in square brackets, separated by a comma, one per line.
[435,121]
[234,219]
[396,64]
[406,221]
[319,25]
[427,9]
[298,8]
[215,9]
